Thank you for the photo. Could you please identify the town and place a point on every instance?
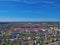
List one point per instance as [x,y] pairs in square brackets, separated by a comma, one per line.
[29,33]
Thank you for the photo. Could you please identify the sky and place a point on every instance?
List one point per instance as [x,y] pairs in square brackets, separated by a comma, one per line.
[29,10]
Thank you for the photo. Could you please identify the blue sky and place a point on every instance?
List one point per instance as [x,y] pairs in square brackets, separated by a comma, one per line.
[29,10]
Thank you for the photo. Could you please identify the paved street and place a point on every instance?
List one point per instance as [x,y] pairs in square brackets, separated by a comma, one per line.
[54,43]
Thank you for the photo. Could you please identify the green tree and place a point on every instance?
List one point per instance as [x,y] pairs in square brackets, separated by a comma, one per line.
[42,41]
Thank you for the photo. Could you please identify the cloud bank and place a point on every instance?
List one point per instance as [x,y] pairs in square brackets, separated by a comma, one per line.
[45,3]
[3,19]
[30,1]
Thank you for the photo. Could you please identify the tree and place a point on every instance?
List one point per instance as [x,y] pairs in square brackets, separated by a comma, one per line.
[42,41]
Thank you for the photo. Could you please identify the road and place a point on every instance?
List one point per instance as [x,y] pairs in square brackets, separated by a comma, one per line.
[54,43]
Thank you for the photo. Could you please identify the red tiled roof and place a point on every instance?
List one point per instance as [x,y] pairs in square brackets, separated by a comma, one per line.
[16,30]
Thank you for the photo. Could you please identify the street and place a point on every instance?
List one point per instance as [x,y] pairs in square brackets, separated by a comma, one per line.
[54,43]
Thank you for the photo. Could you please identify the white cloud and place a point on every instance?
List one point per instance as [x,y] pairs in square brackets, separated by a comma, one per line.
[32,1]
